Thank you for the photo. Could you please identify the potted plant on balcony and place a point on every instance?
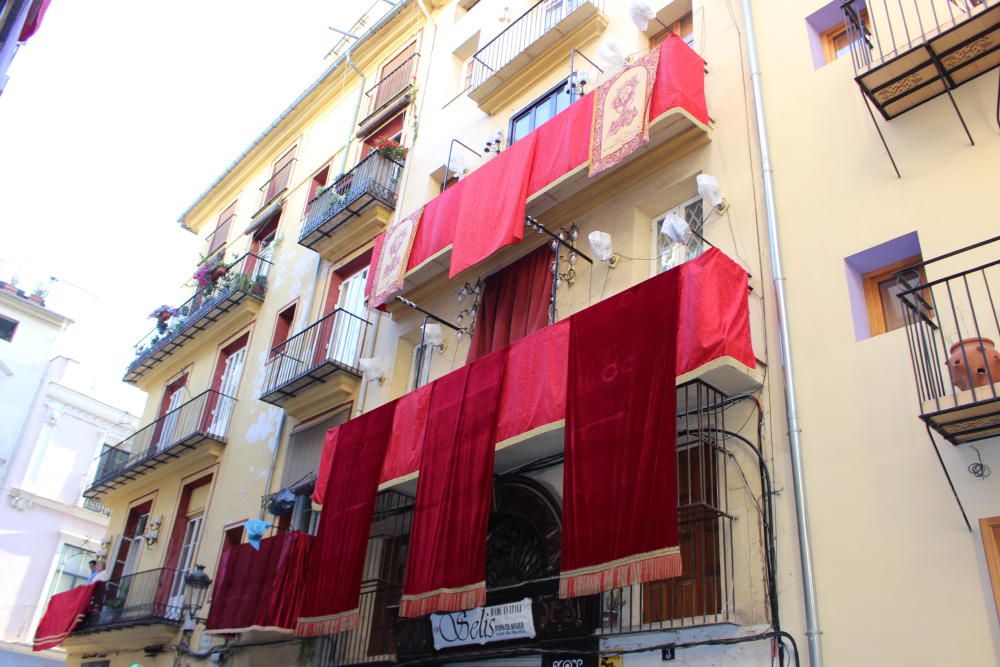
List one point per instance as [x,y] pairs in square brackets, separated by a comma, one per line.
[390,148]
[210,271]
[975,359]
[162,315]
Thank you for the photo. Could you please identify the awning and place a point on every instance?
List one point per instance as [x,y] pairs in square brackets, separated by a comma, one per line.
[263,217]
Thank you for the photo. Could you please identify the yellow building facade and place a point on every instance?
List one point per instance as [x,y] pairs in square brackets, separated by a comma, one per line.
[277,345]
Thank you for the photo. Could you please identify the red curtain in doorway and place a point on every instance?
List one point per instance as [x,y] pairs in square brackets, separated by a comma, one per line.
[514,303]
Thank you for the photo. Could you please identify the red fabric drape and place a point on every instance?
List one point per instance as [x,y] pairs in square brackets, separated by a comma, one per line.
[436,230]
[492,212]
[34,20]
[480,211]
[408,429]
[259,589]
[325,464]
[534,386]
[680,82]
[514,303]
[336,562]
[620,474]
[63,613]
[446,564]
[563,144]
[715,317]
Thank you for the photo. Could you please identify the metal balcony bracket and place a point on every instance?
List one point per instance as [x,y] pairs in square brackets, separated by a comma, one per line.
[947,476]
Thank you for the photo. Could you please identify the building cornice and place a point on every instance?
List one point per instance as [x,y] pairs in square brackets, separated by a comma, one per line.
[34,310]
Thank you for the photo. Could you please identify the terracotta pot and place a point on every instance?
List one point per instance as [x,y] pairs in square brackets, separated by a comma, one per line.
[163,317]
[981,355]
[218,273]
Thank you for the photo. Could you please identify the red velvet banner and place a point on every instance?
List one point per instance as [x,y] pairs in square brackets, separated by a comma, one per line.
[408,427]
[514,303]
[492,211]
[446,563]
[63,613]
[259,589]
[542,157]
[336,562]
[620,474]
[325,463]
[714,315]
[680,82]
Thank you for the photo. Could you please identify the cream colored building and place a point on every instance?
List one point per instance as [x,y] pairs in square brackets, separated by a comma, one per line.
[245,378]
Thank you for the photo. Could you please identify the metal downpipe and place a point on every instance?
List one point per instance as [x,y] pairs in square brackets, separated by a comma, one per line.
[791,405]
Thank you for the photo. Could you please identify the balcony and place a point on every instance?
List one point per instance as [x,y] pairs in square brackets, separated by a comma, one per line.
[220,307]
[390,95]
[200,424]
[354,209]
[140,608]
[951,330]
[529,48]
[317,367]
[912,51]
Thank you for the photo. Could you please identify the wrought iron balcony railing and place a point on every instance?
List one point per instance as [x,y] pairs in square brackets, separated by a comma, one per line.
[392,85]
[374,179]
[246,276]
[906,52]
[142,598]
[524,31]
[332,343]
[952,328]
[204,418]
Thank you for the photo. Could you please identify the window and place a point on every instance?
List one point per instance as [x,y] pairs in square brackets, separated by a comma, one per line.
[96,663]
[220,234]
[671,254]
[683,27]
[391,130]
[420,369]
[283,326]
[279,177]
[73,568]
[829,38]
[885,310]
[540,111]
[7,328]
[317,182]
[837,42]
[394,77]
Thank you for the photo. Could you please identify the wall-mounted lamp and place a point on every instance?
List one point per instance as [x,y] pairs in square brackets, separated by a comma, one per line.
[105,549]
[711,193]
[493,143]
[578,83]
[600,243]
[152,534]
[371,367]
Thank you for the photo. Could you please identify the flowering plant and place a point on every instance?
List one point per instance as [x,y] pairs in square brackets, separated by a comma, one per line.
[390,148]
[163,311]
[210,271]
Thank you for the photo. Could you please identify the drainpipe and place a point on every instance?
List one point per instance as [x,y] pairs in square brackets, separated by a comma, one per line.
[274,461]
[791,405]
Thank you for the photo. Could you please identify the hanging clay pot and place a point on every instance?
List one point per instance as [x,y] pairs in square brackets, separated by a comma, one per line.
[218,273]
[981,355]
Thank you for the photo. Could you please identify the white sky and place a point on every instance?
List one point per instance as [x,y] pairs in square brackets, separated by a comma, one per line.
[117,115]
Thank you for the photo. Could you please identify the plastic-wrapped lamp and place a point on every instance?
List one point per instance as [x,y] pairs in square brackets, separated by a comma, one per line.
[676,228]
[600,243]
[372,369]
[709,191]
[433,334]
[641,14]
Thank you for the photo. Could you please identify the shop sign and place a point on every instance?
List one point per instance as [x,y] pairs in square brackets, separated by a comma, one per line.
[483,625]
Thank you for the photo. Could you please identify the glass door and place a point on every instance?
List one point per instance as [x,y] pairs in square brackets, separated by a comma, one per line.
[185,561]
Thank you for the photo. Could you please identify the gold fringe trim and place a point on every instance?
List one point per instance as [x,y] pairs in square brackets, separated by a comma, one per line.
[637,569]
[250,628]
[443,599]
[316,626]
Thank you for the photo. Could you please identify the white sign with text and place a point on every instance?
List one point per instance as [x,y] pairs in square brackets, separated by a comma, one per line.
[483,625]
